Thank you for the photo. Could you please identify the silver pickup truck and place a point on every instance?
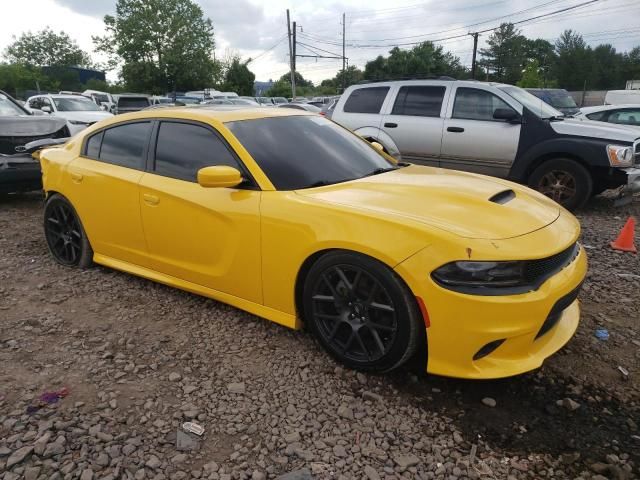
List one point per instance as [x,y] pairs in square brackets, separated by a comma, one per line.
[493,129]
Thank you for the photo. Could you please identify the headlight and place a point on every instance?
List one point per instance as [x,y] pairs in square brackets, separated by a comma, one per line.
[477,275]
[620,156]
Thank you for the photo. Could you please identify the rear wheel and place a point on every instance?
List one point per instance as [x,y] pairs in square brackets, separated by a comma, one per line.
[563,180]
[361,312]
[66,238]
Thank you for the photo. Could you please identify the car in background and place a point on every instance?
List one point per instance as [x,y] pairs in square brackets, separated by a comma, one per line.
[233,101]
[156,100]
[19,172]
[103,99]
[494,129]
[301,106]
[79,111]
[291,217]
[619,114]
[264,101]
[279,100]
[328,108]
[187,100]
[558,98]
[131,102]
[622,97]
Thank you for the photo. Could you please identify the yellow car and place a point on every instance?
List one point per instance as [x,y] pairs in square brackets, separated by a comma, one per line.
[293,218]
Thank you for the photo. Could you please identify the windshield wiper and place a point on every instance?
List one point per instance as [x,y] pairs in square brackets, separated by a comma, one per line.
[319,183]
[556,118]
[378,171]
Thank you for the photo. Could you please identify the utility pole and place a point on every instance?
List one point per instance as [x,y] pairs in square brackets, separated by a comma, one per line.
[475,50]
[294,48]
[344,58]
[291,59]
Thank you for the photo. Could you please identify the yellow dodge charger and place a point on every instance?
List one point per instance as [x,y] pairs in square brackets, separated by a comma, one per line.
[291,217]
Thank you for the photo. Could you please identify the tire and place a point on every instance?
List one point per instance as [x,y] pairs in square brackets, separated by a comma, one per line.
[66,238]
[361,312]
[563,180]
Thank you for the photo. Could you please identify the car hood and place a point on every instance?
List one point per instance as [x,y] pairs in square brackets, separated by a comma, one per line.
[28,126]
[590,128]
[89,117]
[465,204]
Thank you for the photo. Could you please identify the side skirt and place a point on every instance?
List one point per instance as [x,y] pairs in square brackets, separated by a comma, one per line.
[276,316]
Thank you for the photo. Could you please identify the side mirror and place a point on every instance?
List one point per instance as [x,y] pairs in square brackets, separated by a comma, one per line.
[46,109]
[377,146]
[104,107]
[507,114]
[219,177]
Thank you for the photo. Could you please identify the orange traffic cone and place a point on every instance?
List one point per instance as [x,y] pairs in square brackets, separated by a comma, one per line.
[624,241]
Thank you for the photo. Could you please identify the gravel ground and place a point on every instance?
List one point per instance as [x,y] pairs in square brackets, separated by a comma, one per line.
[137,359]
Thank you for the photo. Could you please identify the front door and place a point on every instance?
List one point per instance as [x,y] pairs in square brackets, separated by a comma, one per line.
[415,123]
[103,188]
[472,140]
[206,236]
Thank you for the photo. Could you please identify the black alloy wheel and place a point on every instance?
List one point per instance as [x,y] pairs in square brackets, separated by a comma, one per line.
[563,180]
[65,236]
[361,312]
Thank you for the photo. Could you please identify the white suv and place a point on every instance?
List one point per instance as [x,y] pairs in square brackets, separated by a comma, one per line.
[494,129]
[79,111]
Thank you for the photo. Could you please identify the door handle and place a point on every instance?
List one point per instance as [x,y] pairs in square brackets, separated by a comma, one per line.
[76,177]
[455,129]
[150,199]
[391,125]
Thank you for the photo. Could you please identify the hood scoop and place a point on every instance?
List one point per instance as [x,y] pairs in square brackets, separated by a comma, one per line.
[503,197]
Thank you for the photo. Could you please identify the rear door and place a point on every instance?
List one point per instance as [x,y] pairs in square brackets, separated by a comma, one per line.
[361,109]
[472,139]
[415,122]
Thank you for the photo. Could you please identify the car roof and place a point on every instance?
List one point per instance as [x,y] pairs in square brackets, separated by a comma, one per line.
[604,108]
[221,113]
[423,81]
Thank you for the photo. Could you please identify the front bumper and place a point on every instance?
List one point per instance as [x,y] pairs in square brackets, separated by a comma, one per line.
[461,324]
[633,180]
[19,173]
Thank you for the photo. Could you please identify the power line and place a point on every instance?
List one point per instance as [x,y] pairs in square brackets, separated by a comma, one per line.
[284,37]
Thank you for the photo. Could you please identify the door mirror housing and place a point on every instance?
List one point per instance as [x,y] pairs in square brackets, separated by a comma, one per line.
[220,176]
[507,114]
[377,146]
[46,109]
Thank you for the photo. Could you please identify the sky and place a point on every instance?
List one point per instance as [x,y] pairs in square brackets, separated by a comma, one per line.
[258,29]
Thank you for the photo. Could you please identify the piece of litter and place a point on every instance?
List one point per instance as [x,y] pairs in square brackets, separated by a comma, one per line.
[47,398]
[623,371]
[602,334]
[186,442]
[192,427]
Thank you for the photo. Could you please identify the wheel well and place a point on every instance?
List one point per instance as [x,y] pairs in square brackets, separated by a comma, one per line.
[302,276]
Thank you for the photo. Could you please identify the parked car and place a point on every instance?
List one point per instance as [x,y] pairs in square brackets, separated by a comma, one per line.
[19,172]
[79,111]
[301,106]
[495,129]
[156,100]
[233,101]
[102,99]
[264,101]
[618,114]
[622,97]
[279,100]
[291,217]
[328,108]
[130,102]
[558,98]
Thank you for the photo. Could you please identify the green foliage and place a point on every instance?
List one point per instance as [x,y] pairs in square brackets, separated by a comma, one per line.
[238,78]
[531,77]
[506,54]
[46,48]
[161,45]
[423,59]
[343,79]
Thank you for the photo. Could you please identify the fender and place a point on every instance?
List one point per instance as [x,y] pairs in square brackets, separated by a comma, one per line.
[381,137]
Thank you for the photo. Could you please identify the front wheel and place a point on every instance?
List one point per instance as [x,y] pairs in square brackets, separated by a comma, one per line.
[563,180]
[66,238]
[361,312]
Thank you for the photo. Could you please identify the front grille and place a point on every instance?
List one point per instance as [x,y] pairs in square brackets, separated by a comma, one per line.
[8,144]
[556,311]
[537,271]
[636,151]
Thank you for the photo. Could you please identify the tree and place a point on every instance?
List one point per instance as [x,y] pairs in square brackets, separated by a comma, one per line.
[423,59]
[531,77]
[238,78]
[161,44]
[46,48]
[506,54]
[300,80]
[573,61]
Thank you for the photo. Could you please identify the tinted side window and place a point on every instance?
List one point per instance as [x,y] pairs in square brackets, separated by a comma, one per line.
[124,145]
[474,104]
[366,100]
[626,117]
[419,101]
[92,150]
[182,149]
[597,116]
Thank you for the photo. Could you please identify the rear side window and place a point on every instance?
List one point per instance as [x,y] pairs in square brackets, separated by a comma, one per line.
[599,116]
[133,102]
[93,145]
[476,104]
[182,149]
[124,145]
[419,101]
[366,100]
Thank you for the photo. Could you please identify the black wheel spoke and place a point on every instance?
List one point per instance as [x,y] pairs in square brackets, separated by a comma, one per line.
[381,306]
[63,233]
[364,348]
[344,279]
[377,340]
[378,326]
[324,298]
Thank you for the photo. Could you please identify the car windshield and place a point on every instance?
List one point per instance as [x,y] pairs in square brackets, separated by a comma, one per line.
[8,108]
[534,104]
[188,100]
[101,98]
[298,152]
[280,100]
[75,105]
[562,100]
